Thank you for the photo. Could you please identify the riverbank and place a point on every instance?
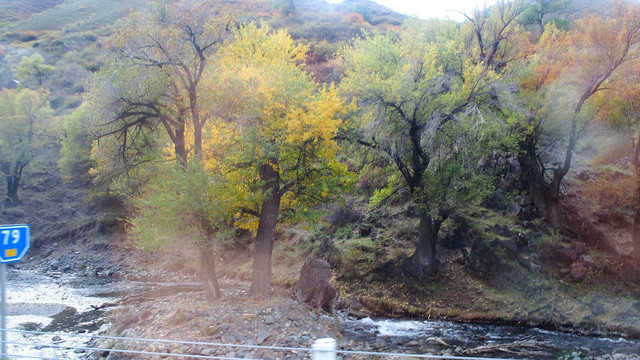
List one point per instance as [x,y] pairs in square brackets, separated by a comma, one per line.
[538,294]
[180,311]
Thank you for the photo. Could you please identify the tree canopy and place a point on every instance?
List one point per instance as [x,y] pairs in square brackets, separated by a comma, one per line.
[426,107]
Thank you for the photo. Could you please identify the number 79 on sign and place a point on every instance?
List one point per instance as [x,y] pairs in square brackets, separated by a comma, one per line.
[14,242]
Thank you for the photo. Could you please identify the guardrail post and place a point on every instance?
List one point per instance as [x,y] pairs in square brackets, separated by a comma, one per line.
[323,349]
[3,310]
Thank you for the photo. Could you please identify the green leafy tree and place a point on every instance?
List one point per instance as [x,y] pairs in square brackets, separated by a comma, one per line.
[33,66]
[182,205]
[430,110]
[538,13]
[493,34]
[75,154]
[27,126]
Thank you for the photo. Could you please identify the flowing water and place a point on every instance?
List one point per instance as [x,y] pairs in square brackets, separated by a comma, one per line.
[419,336]
[55,304]
[62,304]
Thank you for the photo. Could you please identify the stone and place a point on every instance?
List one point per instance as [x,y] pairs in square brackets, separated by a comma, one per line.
[364,229]
[458,235]
[412,343]
[578,272]
[262,337]
[314,286]
[596,308]
[269,320]
[502,230]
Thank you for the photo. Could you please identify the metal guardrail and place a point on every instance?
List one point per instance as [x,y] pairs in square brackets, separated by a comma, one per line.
[322,349]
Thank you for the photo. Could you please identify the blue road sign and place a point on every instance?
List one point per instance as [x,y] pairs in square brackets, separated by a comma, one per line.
[14,242]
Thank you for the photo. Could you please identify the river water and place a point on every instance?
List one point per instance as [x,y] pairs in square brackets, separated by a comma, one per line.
[55,304]
[62,304]
[414,336]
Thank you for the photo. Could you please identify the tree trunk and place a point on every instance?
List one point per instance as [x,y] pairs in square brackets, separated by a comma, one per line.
[261,277]
[12,188]
[423,261]
[208,270]
[635,227]
[544,198]
[635,236]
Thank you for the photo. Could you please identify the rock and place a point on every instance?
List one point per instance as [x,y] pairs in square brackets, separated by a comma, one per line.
[249,316]
[484,263]
[513,209]
[78,351]
[458,235]
[56,339]
[412,343]
[269,320]
[354,304]
[314,287]
[596,308]
[364,229]
[262,336]
[502,230]
[578,272]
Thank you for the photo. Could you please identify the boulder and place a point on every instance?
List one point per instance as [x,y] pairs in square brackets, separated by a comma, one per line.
[314,286]
[484,263]
[578,272]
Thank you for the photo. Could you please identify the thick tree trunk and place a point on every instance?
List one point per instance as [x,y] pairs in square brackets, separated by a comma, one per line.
[543,195]
[261,277]
[208,271]
[12,188]
[423,261]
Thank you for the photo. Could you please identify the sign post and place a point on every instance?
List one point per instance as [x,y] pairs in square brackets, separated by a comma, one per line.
[14,243]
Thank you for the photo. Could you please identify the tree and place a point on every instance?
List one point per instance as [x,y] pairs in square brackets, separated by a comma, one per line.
[33,66]
[149,90]
[493,35]
[569,67]
[620,109]
[274,142]
[424,105]
[75,154]
[180,204]
[26,118]
[152,77]
[537,13]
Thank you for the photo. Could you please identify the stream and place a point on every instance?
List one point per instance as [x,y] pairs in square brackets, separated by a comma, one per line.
[62,304]
[418,337]
[59,303]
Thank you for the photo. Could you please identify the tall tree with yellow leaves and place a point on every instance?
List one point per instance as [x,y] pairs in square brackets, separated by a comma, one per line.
[273,140]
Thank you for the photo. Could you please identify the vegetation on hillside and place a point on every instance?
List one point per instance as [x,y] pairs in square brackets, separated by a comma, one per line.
[410,153]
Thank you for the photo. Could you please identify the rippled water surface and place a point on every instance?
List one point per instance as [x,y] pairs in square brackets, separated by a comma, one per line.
[470,336]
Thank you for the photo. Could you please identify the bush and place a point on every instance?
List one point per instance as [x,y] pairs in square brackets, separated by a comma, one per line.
[28,36]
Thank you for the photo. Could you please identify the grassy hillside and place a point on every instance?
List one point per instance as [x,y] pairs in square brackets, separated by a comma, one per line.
[12,11]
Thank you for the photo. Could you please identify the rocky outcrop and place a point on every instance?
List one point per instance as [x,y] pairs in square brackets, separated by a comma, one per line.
[314,286]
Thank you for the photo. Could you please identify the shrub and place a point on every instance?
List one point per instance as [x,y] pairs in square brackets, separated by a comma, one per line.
[27,36]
